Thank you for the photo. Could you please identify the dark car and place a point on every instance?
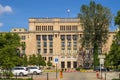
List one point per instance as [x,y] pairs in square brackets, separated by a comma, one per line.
[102,69]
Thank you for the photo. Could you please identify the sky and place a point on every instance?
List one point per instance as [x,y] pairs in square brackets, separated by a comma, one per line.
[15,13]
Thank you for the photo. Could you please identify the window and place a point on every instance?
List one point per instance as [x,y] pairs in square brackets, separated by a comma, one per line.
[68,64]
[63,50]
[80,35]
[37,28]
[69,50]
[68,27]
[50,58]
[51,44]
[68,44]
[39,44]
[23,51]
[51,50]
[62,37]
[68,37]
[50,37]
[39,50]
[51,27]
[45,44]
[38,37]
[62,27]
[74,28]
[23,37]
[74,37]
[75,48]
[45,50]
[74,44]
[44,58]
[63,44]
[14,29]
[44,37]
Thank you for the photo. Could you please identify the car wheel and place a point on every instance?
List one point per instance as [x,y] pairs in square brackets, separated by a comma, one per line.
[35,73]
[21,74]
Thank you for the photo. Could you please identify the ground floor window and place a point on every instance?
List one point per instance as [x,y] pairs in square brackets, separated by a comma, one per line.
[62,64]
[74,64]
[68,64]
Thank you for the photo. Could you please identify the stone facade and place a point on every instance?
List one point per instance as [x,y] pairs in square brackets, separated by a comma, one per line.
[56,38]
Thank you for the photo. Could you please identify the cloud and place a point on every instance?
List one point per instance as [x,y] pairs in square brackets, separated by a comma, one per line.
[1,24]
[5,9]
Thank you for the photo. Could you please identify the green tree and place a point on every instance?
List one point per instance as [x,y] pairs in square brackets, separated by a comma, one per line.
[113,58]
[49,63]
[33,60]
[9,42]
[117,20]
[24,60]
[41,61]
[95,20]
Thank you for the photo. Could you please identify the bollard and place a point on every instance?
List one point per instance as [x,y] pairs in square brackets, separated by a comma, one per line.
[105,75]
[119,75]
[47,76]
[16,75]
[31,75]
[61,74]
[97,74]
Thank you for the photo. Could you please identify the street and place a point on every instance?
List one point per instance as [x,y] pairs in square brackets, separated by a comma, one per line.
[67,76]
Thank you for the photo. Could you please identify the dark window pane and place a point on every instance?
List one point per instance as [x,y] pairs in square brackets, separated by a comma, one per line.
[50,37]
[44,37]
[62,37]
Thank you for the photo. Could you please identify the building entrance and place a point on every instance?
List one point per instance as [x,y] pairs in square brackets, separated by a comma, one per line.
[75,64]
[68,64]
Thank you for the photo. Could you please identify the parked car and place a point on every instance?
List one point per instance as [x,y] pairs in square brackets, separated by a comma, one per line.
[34,70]
[20,71]
[102,69]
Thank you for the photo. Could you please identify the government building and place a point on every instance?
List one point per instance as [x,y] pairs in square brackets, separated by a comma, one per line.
[58,41]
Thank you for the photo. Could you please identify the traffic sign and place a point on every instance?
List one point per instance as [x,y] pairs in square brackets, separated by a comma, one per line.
[101,56]
[56,60]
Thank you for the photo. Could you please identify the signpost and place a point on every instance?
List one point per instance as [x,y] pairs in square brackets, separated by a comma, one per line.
[56,61]
[101,59]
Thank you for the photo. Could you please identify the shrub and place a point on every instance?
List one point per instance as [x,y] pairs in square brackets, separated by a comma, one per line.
[78,69]
[115,79]
[17,79]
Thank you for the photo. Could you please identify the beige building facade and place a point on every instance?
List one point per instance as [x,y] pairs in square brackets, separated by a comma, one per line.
[56,38]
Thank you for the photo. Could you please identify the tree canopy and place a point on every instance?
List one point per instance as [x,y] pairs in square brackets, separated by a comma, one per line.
[95,20]
[8,45]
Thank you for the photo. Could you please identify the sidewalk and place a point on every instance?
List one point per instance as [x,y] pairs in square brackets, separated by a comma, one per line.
[45,79]
[110,75]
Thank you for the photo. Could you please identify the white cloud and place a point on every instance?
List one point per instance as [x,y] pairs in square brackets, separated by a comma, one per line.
[5,9]
[1,24]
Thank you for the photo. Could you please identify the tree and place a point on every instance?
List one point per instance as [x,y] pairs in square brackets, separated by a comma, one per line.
[49,63]
[95,19]
[113,58]
[41,61]
[24,60]
[33,59]
[117,20]
[36,60]
[8,44]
